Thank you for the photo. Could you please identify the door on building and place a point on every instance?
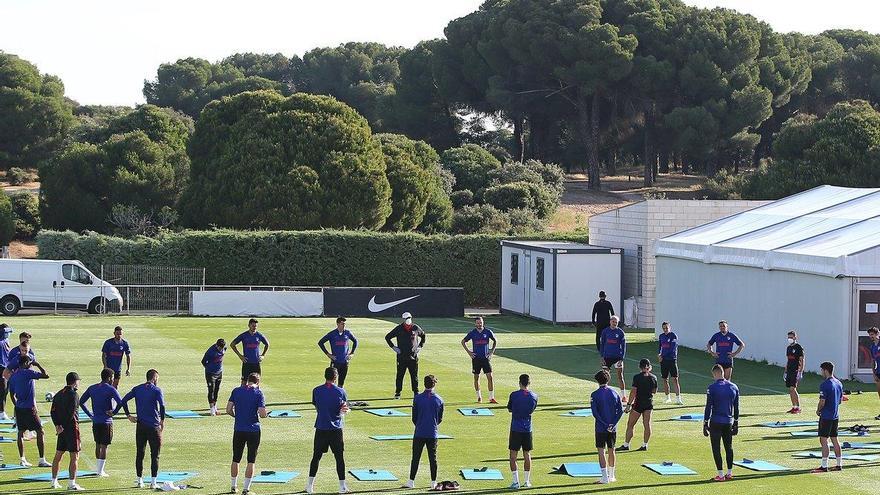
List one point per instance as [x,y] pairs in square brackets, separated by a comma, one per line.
[527,277]
[868,315]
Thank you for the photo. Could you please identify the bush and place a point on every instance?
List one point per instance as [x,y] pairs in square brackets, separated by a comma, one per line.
[17,176]
[306,258]
[725,185]
[511,196]
[471,166]
[462,198]
[524,221]
[7,223]
[480,219]
[26,215]
[545,183]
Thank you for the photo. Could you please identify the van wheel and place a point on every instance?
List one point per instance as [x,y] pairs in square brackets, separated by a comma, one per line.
[98,306]
[9,305]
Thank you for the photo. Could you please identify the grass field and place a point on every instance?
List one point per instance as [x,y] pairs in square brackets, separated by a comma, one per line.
[561,361]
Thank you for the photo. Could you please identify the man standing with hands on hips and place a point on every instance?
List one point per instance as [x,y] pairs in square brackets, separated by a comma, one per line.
[481,336]
[340,351]
[724,340]
[111,355]
[251,357]
[410,340]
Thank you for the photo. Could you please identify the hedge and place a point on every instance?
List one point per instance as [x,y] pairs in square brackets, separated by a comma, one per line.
[306,258]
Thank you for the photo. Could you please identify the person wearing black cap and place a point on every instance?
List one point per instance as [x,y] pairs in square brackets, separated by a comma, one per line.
[341,351]
[602,313]
[250,356]
[65,405]
[410,340]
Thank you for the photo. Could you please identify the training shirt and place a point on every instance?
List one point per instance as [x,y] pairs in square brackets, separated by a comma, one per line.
[251,345]
[668,346]
[328,400]
[602,312]
[114,351]
[480,341]
[875,353]
[213,360]
[645,386]
[14,356]
[832,391]
[339,343]
[248,400]
[150,404]
[521,404]
[607,409]
[103,395]
[21,383]
[613,343]
[4,352]
[409,340]
[722,402]
[724,346]
[427,414]
[65,404]
[793,354]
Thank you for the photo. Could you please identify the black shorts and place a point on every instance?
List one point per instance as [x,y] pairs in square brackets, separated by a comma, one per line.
[481,364]
[610,362]
[27,419]
[117,375]
[725,366]
[669,367]
[68,440]
[642,407]
[248,368]
[102,433]
[520,440]
[240,439]
[606,439]
[329,439]
[791,378]
[828,428]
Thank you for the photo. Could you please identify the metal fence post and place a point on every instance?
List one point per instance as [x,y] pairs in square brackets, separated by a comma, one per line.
[128,298]
[177,301]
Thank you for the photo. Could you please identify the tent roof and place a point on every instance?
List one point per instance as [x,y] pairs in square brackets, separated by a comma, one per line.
[828,230]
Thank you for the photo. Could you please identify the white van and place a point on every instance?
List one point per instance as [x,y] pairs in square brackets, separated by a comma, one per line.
[50,284]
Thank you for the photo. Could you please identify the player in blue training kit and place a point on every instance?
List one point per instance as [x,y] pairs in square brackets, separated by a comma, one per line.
[874,334]
[23,348]
[331,404]
[342,346]
[213,363]
[828,410]
[481,355]
[5,332]
[427,414]
[22,392]
[111,355]
[668,356]
[724,340]
[103,395]
[607,410]
[612,347]
[247,405]
[521,404]
[721,420]
[250,356]
[150,404]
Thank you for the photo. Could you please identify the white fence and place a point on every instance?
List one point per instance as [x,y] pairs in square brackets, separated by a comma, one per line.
[176,299]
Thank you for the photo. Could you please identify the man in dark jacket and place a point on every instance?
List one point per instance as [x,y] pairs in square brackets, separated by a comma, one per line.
[601,316]
[65,405]
[410,340]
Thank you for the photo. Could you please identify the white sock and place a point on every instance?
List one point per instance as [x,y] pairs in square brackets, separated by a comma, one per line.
[516,476]
[611,472]
[42,459]
[100,463]
[247,483]
[479,395]
[824,462]
[720,473]
[625,444]
[840,462]
[342,486]
[152,480]
[730,472]
[491,394]
[667,396]
[604,473]
[71,482]
[433,484]
[311,481]
[233,481]
[55,480]
[644,445]
[528,476]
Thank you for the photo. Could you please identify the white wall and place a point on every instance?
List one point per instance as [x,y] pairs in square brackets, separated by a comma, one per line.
[512,295]
[580,277]
[540,301]
[760,307]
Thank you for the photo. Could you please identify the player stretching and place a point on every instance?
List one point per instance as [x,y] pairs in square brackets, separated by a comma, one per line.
[521,404]
[613,349]
[668,356]
[22,393]
[480,336]
[607,410]
[721,420]
[828,410]
[640,404]
[213,363]
[794,371]
[103,395]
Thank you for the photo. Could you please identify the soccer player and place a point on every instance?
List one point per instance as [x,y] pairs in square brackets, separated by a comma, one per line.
[724,340]
[213,363]
[22,392]
[601,316]
[252,357]
[607,410]
[668,356]
[613,350]
[340,351]
[103,395]
[874,334]
[65,405]
[480,356]
[111,355]
[22,349]
[640,404]
[5,332]
[331,404]
[828,410]
[521,404]
[150,404]
[410,340]
[247,405]
[427,414]
[721,419]
[794,371]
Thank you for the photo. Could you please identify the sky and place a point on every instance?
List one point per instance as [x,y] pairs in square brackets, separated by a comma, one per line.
[103,50]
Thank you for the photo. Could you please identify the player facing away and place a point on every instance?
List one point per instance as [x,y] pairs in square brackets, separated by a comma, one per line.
[794,370]
[874,334]
[111,355]
[721,420]
[668,356]
[521,404]
[410,340]
[150,419]
[601,316]
[22,392]
[342,346]
[724,340]
[65,405]
[331,404]
[640,404]
[213,364]
[613,348]
[5,333]
[427,414]
[251,357]
[247,405]
[607,410]
[480,356]
[828,410]
[103,396]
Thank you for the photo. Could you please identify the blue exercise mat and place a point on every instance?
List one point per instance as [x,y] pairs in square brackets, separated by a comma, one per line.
[815,433]
[372,475]
[789,424]
[275,477]
[480,411]
[174,476]
[182,414]
[62,475]
[284,413]
[7,440]
[760,465]
[580,469]
[7,422]
[386,413]
[83,417]
[852,457]
[481,474]
[857,445]
[580,413]
[11,467]
[403,437]
[669,469]
[689,417]
[6,431]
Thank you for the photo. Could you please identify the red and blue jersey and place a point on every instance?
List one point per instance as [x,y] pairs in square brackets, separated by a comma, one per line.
[875,353]
[328,400]
[831,390]
[522,404]
[606,407]
[21,383]
[247,400]
[102,395]
[251,345]
[213,360]
[150,404]
[613,343]
[722,402]
[668,346]
[14,357]
[114,351]
[480,340]
[724,346]
[427,414]
[339,344]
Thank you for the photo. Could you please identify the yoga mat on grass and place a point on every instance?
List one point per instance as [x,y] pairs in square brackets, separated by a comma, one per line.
[403,437]
[760,465]
[857,445]
[689,417]
[7,440]
[669,469]
[284,413]
[789,424]
[174,476]
[815,433]
[481,474]
[372,475]
[480,411]
[182,415]
[275,476]
[580,469]
[11,467]
[851,457]
[62,475]
[386,413]
[6,431]
[580,413]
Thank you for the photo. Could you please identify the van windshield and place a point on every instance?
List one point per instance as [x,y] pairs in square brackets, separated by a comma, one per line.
[75,274]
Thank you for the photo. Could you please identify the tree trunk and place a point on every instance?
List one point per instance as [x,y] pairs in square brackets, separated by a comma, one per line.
[519,143]
[650,156]
[683,164]
[664,161]
[593,144]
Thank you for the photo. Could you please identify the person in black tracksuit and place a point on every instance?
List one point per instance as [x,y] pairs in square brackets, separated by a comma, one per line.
[65,407]
[410,340]
[601,316]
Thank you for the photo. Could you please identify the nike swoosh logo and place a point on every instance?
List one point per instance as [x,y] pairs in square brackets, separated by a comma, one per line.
[375,307]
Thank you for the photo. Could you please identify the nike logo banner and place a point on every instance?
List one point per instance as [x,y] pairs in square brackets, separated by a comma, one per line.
[394,301]
[375,307]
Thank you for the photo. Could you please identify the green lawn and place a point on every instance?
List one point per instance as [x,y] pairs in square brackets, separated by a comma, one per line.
[561,361]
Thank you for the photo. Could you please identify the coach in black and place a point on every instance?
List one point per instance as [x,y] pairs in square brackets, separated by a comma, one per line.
[410,340]
[601,316]
[65,405]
